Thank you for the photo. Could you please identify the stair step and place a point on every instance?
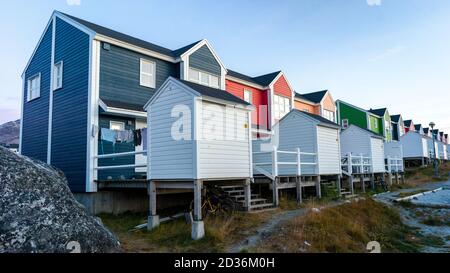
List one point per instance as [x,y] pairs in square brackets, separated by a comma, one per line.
[261,206]
[346,192]
[231,187]
[351,196]
[243,196]
[254,200]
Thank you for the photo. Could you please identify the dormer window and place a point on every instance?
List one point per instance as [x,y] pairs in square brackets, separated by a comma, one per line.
[203,78]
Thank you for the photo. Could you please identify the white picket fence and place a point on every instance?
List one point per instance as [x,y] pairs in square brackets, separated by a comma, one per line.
[394,165]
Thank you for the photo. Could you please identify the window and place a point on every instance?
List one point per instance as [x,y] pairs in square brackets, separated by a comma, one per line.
[57,75]
[147,77]
[329,115]
[281,106]
[34,87]
[306,110]
[376,124]
[204,78]
[248,96]
[345,123]
[117,125]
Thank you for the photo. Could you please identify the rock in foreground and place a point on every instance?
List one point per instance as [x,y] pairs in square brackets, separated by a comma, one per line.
[38,213]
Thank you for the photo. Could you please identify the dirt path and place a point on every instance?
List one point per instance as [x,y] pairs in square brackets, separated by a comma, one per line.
[271,226]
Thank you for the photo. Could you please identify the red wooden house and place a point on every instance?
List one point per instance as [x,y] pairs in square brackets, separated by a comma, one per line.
[409,126]
[271,95]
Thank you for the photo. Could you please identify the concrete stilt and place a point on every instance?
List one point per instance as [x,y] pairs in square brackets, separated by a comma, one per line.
[276,200]
[318,189]
[198,227]
[402,178]
[153,218]
[396,179]
[248,195]
[390,179]
[298,184]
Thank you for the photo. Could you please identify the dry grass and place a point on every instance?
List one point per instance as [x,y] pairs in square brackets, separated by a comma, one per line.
[175,236]
[411,193]
[419,176]
[346,228]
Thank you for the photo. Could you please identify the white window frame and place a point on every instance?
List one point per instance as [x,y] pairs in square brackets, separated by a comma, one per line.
[30,79]
[330,115]
[201,74]
[345,123]
[58,79]
[279,106]
[121,124]
[250,94]
[152,83]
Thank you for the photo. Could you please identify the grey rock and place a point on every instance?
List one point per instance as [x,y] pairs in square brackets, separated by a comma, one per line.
[39,214]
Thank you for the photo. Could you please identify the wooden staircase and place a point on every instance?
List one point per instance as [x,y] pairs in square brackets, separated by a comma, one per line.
[237,193]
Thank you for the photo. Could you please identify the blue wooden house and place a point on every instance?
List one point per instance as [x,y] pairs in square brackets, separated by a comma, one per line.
[83,77]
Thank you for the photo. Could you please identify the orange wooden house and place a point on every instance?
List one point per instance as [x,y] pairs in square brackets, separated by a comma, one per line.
[320,103]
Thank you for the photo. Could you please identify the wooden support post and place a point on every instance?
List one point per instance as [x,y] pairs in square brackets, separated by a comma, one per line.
[372,181]
[390,179]
[298,183]
[338,184]
[318,189]
[350,181]
[248,195]
[396,178]
[276,200]
[198,227]
[363,183]
[403,178]
[153,218]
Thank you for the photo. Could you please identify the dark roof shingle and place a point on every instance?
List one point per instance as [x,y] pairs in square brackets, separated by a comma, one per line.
[263,80]
[317,118]
[407,122]
[395,118]
[214,92]
[379,112]
[315,97]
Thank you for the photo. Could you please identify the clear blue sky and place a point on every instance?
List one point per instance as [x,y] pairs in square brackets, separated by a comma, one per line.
[391,53]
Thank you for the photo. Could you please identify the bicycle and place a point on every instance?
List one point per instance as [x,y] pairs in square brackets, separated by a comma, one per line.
[215,202]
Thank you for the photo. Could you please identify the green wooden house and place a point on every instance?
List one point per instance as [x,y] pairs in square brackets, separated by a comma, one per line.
[386,122]
[377,121]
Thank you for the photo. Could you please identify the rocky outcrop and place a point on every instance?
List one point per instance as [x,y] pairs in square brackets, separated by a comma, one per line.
[38,212]
[9,133]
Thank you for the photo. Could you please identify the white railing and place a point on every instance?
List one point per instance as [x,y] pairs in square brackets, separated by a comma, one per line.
[275,164]
[117,155]
[356,164]
[394,165]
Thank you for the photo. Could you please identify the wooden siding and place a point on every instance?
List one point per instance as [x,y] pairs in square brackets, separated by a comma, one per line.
[356,141]
[354,115]
[203,59]
[170,158]
[70,104]
[328,103]
[35,112]
[223,147]
[376,125]
[329,153]
[413,146]
[120,75]
[260,114]
[303,106]
[281,87]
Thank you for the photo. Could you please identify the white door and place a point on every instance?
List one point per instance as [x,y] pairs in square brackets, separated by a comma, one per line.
[377,148]
[329,154]
[425,148]
[140,159]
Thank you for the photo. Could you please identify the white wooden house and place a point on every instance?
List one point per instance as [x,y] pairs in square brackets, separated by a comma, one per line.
[197,135]
[303,145]
[416,148]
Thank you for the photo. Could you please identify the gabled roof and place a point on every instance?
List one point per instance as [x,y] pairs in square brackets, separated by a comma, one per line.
[264,80]
[317,118]
[407,122]
[356,107]
[395,118]
[181,51]
[441,133]
[123,37]
[365,130]
[379,112]
[214,92]
[315,97]
[123,105]
[417,126]
[426,130]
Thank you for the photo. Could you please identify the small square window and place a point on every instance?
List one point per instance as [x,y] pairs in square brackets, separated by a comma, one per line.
[214,81]
[248,96]
[345,123]
[117,125]
[204,78]
[194,75]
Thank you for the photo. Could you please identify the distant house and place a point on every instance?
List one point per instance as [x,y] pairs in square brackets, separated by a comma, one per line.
[409,125]
[348,114]
[271,94]
[418,128]
[386,122]
[398,127]
[319,103]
